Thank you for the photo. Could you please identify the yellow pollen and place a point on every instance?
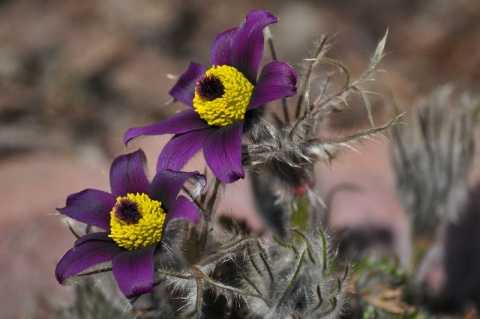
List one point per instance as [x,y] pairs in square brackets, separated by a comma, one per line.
[232,105]
[146,231]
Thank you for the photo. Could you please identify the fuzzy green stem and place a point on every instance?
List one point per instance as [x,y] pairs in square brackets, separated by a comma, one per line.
[300,216]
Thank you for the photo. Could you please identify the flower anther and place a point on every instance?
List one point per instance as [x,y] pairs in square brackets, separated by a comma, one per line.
[136,221]
[222,96]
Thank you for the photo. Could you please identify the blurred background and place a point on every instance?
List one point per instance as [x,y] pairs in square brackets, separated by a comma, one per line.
[74,75]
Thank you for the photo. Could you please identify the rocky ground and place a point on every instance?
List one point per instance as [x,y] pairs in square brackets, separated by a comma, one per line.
[75,75]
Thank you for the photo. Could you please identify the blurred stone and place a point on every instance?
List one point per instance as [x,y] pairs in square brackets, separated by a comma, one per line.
[359,189]
[34,236]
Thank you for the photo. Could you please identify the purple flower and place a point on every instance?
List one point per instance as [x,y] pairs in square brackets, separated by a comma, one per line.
[133,216]
[221,100]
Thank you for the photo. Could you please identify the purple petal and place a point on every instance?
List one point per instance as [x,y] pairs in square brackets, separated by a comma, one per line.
[184,121]
[181,148]
[247,43]
[133,271]
[221,52]
[91,207]
[89,253]
[222,152]
[127,174]
[185,209]
[167,184]
[276,82]
[100,236]
[184,89]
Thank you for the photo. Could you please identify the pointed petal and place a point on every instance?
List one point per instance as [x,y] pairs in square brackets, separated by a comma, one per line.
[127,174]
[133,271]
[181,148]
[248,42]
[89,253]
[277,81]
[185,209]
[91,207]
[184,89]
[184,121]
[222,152]
[221,52]
[167,184]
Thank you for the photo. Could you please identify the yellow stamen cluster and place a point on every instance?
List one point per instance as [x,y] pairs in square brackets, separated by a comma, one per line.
[232,105]
[144,232]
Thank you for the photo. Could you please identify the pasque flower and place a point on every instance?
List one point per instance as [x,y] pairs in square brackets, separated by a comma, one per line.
[222,100]
[133,218]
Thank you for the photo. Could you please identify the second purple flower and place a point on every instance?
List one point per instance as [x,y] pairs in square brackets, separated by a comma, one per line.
[133,218]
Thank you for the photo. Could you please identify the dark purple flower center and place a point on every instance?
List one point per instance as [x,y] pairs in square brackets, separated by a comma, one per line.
[210,88]
[127,210]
